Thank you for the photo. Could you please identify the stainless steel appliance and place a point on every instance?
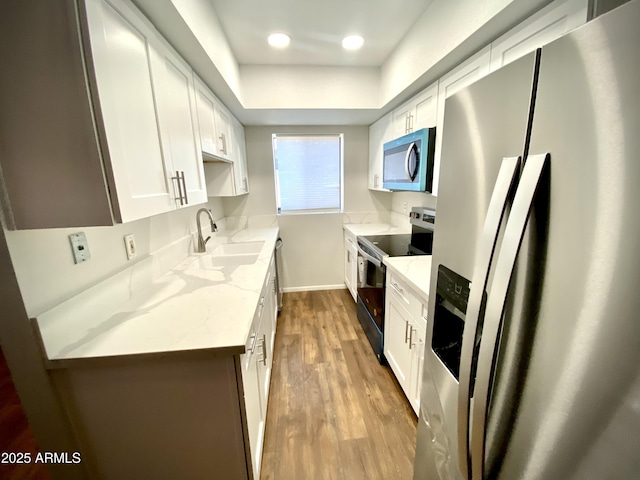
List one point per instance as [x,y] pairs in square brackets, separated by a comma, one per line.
[532,361]
[408,161]
[372,250]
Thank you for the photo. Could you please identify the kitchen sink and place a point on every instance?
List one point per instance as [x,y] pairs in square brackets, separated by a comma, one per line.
[214,261]
[237,249]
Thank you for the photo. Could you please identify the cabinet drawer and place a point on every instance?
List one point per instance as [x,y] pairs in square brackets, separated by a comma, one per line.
[400,290]
[350,238]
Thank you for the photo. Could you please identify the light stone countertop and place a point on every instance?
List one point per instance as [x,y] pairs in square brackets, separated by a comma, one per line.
[191,307]
[415,270]
[376,228]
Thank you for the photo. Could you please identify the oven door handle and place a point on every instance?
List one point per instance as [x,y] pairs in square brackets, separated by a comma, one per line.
[373,260]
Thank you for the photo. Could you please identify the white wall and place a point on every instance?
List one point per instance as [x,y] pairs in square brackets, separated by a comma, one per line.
[310,87]
[313,248]
[203,21]
[44,265]
[412,199]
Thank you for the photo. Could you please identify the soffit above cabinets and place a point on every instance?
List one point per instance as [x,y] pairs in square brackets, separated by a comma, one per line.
[408,45]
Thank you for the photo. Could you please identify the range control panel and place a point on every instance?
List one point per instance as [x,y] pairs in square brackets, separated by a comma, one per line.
[423,217]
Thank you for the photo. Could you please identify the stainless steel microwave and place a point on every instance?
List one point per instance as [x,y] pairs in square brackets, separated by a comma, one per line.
[408,161]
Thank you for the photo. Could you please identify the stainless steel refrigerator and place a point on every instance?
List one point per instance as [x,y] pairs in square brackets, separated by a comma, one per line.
[532,357]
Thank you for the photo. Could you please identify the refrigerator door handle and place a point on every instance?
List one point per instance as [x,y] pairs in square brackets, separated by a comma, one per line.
[505,264]
[507,177]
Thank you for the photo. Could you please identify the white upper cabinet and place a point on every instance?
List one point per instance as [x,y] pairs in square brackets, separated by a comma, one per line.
[125,58]
[550,23]
[419,112]
[178,126]
[223,130]
[462,76]
[215,124]
[240,170]
[379,133]
[205,105]
[229,178]
[222,144]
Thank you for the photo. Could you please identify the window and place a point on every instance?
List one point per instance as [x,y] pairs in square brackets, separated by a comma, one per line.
[308,173]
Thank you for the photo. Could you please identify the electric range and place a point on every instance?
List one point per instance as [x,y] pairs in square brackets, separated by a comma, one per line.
[372,249]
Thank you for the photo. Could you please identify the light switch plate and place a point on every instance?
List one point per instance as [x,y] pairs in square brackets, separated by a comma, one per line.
[130,245]
[79,247]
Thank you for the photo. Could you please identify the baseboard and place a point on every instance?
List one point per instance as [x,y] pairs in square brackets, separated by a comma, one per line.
[311,288]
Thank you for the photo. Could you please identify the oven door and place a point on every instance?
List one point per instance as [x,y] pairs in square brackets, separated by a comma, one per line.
[371,277]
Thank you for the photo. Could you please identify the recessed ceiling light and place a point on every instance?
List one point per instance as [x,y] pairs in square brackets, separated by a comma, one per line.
[352,42]
[279,40]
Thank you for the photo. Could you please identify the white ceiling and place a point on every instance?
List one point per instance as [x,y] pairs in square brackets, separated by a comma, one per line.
[316,28]
[408,45]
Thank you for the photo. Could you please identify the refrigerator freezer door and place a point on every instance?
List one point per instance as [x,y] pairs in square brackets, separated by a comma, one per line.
[483,124]
[578,417]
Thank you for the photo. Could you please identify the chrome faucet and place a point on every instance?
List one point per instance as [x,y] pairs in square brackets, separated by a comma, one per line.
[201,248]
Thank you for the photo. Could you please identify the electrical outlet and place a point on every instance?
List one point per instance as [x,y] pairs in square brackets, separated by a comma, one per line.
[404,206]
[130,246]
[79,247]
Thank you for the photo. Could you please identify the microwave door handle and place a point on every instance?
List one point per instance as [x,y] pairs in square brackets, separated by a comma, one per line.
[507,176]
[410,176]
[371,259]
[494,317]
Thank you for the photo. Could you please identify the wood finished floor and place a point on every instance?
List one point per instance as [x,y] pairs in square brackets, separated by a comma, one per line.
[15,435]
[334,411]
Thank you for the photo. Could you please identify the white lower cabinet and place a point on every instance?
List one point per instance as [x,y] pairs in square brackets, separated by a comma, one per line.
[252,406]
[351,264]
[202,413]
[256,366]
[404,336]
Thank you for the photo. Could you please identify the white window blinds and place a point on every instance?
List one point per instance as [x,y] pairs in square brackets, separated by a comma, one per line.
[308,173]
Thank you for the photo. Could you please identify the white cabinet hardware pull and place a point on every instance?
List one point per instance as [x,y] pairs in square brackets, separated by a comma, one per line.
[223,141]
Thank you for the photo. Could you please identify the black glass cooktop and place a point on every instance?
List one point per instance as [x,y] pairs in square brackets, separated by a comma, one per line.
[392,245]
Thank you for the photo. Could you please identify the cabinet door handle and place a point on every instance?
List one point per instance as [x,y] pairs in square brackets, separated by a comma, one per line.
[406,123]
[410,122]
[177,178]
[411,344]
[397,288]
[406,330]
[223,141]
[184,189]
